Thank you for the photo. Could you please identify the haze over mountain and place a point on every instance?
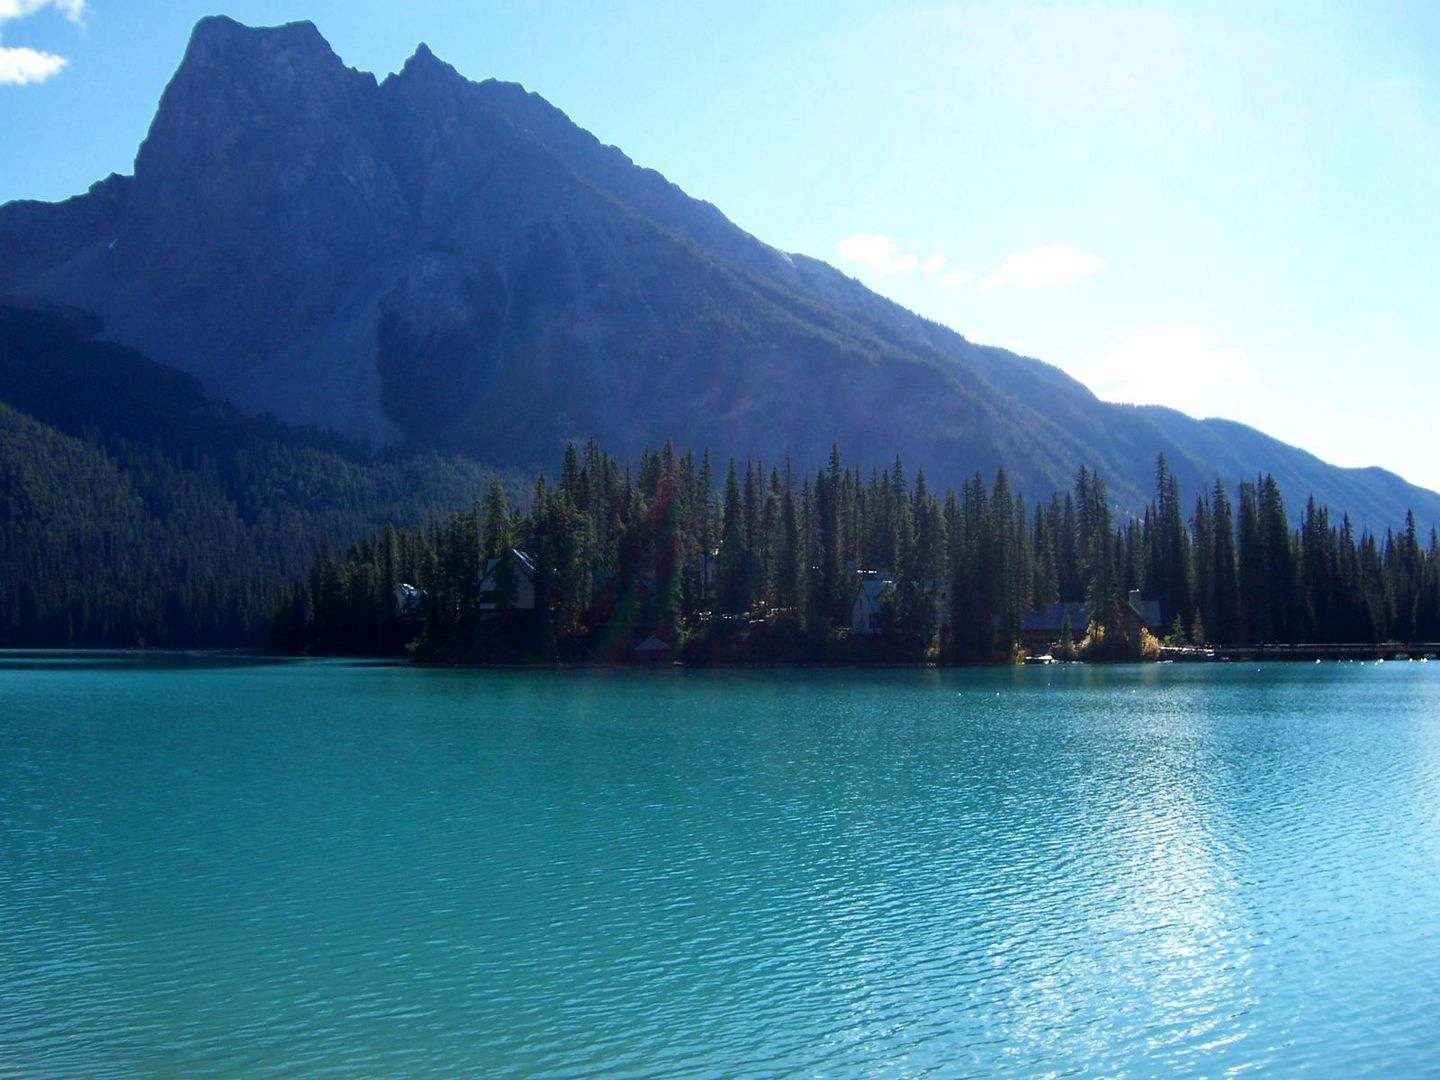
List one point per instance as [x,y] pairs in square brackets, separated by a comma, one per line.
[433,262]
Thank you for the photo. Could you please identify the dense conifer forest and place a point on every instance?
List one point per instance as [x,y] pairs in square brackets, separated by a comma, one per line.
[134,511]
[757,563]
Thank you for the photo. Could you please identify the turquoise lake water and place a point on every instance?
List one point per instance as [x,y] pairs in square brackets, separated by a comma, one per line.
[340,869]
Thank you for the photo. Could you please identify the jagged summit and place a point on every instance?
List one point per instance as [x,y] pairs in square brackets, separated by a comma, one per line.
[235,78]
[218,41]
[434,261]
[424,63]
[221,31]
[423,56]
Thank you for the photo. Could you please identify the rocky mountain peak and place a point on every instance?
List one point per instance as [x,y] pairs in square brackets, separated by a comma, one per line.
[283,57]
[261,183]
[220,32]
[236,81]
[425,63]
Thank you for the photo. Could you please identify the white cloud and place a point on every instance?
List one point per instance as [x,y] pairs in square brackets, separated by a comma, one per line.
[933,263]
[74,10]
[1046,266]
[955,279]
[1182,365]
[21,66]
[878,252]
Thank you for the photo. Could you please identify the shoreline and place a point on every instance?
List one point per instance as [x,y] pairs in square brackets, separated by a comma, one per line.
[1337,652]
[1268,654]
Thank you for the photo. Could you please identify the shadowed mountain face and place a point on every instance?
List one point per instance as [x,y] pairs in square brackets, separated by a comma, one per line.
[432,261]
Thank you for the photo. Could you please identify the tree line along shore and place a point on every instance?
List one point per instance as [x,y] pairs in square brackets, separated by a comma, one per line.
[669,561]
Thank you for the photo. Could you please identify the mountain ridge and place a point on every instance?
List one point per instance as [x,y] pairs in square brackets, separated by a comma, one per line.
[427,260]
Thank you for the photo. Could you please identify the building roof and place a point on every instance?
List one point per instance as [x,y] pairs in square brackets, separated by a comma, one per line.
[1051,620]
[873,589]
[527,564]
[652,645]
[1149,612]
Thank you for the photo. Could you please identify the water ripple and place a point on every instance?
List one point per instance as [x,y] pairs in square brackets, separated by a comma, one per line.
[328,870]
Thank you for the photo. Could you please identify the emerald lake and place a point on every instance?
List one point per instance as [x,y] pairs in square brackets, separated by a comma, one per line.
[321,868]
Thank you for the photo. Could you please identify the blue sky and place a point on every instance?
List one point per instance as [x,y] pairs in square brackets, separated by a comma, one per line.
[1226,208]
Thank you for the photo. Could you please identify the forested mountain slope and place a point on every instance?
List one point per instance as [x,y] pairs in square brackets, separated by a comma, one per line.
[135,511]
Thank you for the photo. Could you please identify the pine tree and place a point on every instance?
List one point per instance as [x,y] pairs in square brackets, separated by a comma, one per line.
[1225,618]
[733,586]
[496,538]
